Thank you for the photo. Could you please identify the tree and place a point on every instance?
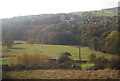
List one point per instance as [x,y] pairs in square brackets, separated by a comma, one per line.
[7,41]
[95,43]
[31,41]
[112,43]
[65,38]
[64,57]
[22,58]
[64,61]
[92,57]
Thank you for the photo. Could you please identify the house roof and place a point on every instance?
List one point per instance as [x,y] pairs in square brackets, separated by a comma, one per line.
[54,58]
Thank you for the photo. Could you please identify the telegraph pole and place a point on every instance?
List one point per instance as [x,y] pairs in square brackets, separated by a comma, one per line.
[79,56]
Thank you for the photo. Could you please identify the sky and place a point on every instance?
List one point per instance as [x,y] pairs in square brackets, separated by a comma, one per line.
[12,8]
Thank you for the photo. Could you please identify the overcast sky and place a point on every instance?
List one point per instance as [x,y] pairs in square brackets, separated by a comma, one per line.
[11,8]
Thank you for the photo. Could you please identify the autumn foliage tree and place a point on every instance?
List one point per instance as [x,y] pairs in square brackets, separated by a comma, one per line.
[112,43]
[31,59]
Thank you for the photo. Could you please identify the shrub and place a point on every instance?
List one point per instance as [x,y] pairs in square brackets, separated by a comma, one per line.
[92,57]
[76,67]
[20,67]
[64,57]
[35,66]
[21,58]
[115,63]
[5,68]
[31,59]
[37,61]
[101,62]
[64,61]
[65,65]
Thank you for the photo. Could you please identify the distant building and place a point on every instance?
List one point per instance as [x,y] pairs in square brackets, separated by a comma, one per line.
[71,18]
[53,59]
[19,42]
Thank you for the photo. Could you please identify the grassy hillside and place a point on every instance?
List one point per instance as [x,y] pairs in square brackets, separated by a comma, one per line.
[104,12]
[62,74]
[108,12]
[52,50]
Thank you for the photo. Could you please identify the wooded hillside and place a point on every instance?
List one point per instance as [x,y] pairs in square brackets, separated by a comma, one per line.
[95,29]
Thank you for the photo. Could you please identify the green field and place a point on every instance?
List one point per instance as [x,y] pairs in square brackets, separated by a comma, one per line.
[53,50]
[106,13]
[86,66]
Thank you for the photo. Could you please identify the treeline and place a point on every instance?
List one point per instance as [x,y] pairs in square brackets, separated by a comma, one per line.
[64,61]
[100,62]
[97,32]
[36,61]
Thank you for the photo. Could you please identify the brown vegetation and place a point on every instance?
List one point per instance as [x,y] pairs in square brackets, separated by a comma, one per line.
[31,59]
[63,74]
[8,54]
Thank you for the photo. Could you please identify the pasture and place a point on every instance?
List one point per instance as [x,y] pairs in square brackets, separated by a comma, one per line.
[55,50]
[51,50]
[108,13]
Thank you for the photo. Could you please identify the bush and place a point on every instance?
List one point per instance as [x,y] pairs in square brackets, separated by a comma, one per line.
[92,57]
[5,68]
[31,59]
[64,57]
[76,67]
[101,62]
[65,65]
[115,63]
[28,61]
[20,67]
[35,66]
[64,61]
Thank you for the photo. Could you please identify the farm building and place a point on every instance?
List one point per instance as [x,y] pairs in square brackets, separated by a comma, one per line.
[19,42]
